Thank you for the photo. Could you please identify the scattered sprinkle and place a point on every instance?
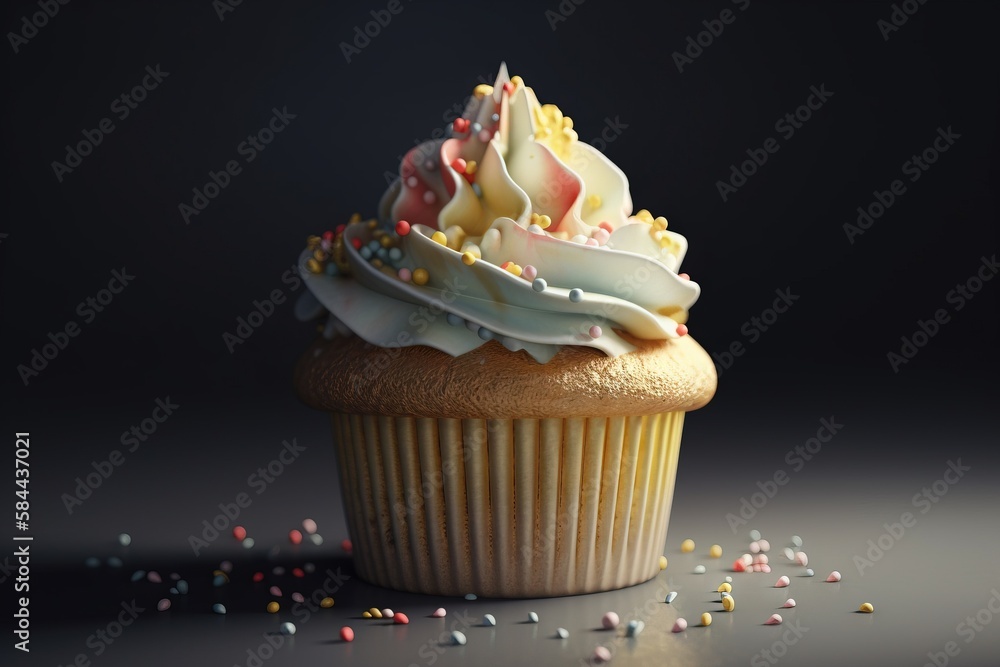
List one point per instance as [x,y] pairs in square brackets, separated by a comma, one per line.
[715,551]
[400,618]
[240,533]
[755,547]
[699,569]
[154,577]
[866,608]
[789,554]
[439,238]
[602,654]
[532,617]
[115,561]
[468,258]
[273,607]
[138,574]
[801,558]
[402,228]
[687,546]
[226,566]
[810,572]
[610,620]
[680,625]
[470,596]
[258,577]
[529,272]
[326,602]
[754,535]
[124,539]
[389,613]
[663,562]
[420,276]
[163,605]
[287,628]
[562,633]
[725,587]
[439,613]
[375,612]
[789,603]
[782,582]
[458,638]
[347,634]
[775,619]
[366,614]
[182,587]
[634,627]
[796,541]
[539,284]
[489,619]
[764,545]
[597,332]
[728,603]
[729,580]
[248,543]
[576,295]
[706,619]
[309,525]
[671,596]
[275,591]
[295,536]
[219,608]
[833,576]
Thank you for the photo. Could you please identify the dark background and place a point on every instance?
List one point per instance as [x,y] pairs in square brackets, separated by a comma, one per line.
[162,336]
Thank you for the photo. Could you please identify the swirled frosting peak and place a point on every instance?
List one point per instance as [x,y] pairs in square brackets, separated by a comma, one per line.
[511,229]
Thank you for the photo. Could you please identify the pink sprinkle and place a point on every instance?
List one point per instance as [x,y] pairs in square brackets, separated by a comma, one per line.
[592,242]
[610,621]
[596,331]
[430,197]
[346,544]
[683,276]
[258,577]
[602,654]
[295,536]
[529,272]
[298,597]
[789,603]
[275,591]
[404,274]
[163,605]
[762,559]
[309,525]
[347,634]
[755,547]
[439,612]
[240,533]
[764,545]
[766,569]
[400,618]
[226,566]
[782,582]
[154,577]
[774,620]
[834,576]
[801,559]
[606,226]
[485,135]
[389,613]
[756,567]
[680,625]
[682,330]
[601,235]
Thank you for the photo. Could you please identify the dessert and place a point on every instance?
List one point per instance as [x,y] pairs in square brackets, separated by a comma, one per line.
[505,359]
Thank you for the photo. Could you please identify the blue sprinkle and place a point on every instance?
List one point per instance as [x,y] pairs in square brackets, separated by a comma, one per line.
[576,295]
[138,575]
[115,561]
[458,638]
[365,252]
[219,608]
[634,628]
[671,596]
[331,269]
[383,254]
[478,190]
[124,539]
[512,344]
[395,254]
[93,561]
[475,127]
[489,620]
[454,320]
[374,245]
[174,591]
[495,117]
[470,596]
[219,580]
[182,587]
[539,284]
[485,334]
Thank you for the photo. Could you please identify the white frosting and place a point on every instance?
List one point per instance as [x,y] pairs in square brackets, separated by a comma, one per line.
[629,283]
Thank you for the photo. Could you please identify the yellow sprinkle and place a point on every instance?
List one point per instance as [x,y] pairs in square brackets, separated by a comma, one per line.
[482,90]
[517,81]
[663,562]
[420,276]
[377,263]
[314,266]
[866,608]
[355,218]
[375,612]
[366,614]
[725,587]
[385,240]
[706,619]
[715,551]
[594,201]
[469,246]
[660,223]
[468,258]
[320,256]
[728,603]
[313,242]
[655,234]
[439,237]
[665,241]
[687,546]
[514,268]
[645,216]
[326,603]
[471,166]
[273,607]
[542,221]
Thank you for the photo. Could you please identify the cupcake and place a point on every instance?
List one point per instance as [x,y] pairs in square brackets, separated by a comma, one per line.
[506,362]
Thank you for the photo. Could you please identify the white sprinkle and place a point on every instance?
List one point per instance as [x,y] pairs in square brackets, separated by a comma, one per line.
[309,525]
[388,613]
[248,543]
[801,558]
[219,608]
[810,572]
[439,612]
[316,539]
[634,627]
[287,628]
[533,617]
[699,569]
[789,603]
[782,582]
[458,638]
[755,547]
[671,596]
[754,535]
[124,539]
[729,580]
[764,545]
[789,554]
[833,576]
[489,620]
[562,633]
[774,620]
[796,541]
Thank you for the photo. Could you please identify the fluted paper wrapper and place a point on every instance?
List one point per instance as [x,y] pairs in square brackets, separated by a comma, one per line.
[507,507]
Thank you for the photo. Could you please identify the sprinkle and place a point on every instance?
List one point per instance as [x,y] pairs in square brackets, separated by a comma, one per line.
[163,605]
[562,633]
[833,576]
[375,612]
[298,597]
[539,284]
[576,295]
[366,253]
[458,638]
[801,558]
[496,117]
[597,332]
[764,545]
[402,228]
[439,238]
[458,164]
[182,587]
[346,544]
[248,543]
[219,608]
[529,272]
[782,582]
[645,216]
[789,554]
[298,572]
[454,320]
[671,596]
[278,569]
[490,620]
[154,577]
[789,603]
[366,614]
[124,539]
[275,591]
[680,625]
[755,535]
[404,275]
[460,124]
[610,620]
[866,608]
[240,533]
[659,223]
[287,628]
[602,654]
[728,603]
[517,81]
[699,569]
[309,567]
[477,189]
[532,617]
[475,127]
[420,276]
[687,546]
[542,220]
[810,572]
[535,229]
[761,559]
[138,574]
[485,334]
[347,634]
[706,619]
[774,620]
[220,579]
[430,197]
[725,587]
[400,618]
[309,524]
[258,577]
[439,612]
[579,239]
[326,602]
[594,201]
[755,547]
[512,268]
[468,258]
[356,242]
[470,596]
[715,551]
[115,561]
[663,559]
[273,607]
[796,541]
[634,627]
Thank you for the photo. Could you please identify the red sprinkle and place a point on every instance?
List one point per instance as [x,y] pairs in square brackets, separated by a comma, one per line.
[347,634]
[461,124]
[258,577]
[295,536]
[682,330]
[328,235]
[347,546]
[400,618]
[738,565]
[340,229]
[683,276]
[298,572]
[458,164]
[402,228]
[506,264]
[240,533]
[356,242]
[606,226]
[508,87]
